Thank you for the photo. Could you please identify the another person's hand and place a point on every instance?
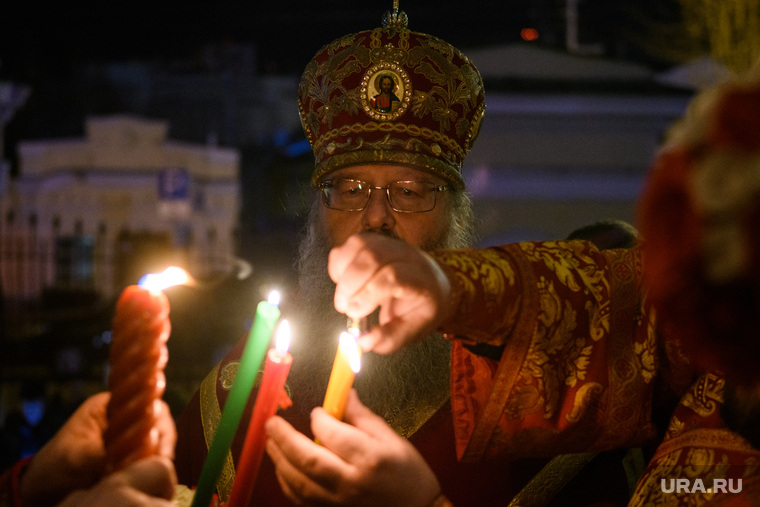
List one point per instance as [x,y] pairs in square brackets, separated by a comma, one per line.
[147,482]
[74,458]
[361,462]
[413,292]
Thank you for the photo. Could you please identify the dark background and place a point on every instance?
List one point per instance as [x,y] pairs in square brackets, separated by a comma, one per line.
[49,46]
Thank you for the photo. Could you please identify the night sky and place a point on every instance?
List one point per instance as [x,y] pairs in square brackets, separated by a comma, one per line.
[288,32]
[48,46]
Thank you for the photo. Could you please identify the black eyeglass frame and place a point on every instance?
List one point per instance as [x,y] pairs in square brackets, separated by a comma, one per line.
[325,185]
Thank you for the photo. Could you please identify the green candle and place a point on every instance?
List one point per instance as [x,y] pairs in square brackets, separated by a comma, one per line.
[267,314]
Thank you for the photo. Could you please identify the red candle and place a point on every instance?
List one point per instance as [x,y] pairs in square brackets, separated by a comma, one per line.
[271,393]
[136,380]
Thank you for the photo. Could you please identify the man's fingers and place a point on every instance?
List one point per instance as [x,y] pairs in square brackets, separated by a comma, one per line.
[350,440]
[353,290]
[358,415]
[341,257]
[346,441]
[296,485]
[355,267]
[369,340]
[297,450]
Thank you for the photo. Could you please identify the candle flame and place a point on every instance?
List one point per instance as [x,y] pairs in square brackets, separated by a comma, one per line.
[274,298]
[167,278]
[351,349]
[282,340]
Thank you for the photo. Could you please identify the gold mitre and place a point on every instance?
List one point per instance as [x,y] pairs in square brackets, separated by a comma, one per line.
[391,96]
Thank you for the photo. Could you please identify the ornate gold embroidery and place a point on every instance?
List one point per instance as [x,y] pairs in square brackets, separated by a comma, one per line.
[582,401]
[646,353]
[553,360]
[418,86]
[436,103]
[326,145]
[698,454]
[705,394]
[569,264]
[522,400]
[675,428]
[227,376]
[211,414]
[490,272]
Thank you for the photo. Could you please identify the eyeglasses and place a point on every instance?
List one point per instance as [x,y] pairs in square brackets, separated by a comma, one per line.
[403,196]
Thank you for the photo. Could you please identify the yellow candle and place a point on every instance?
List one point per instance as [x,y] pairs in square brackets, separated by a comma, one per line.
[347,364]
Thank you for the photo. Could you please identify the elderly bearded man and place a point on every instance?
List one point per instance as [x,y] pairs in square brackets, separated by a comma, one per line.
[394,173]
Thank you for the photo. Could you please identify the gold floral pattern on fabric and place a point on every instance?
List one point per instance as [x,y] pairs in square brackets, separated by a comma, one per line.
[486,273]
[554,361]
[211,415]
[227,374]
[573,267]
[705,395]
[697,451]
[701,467]
[578,375]
[221,378]
[583,398]
[647,352]
[495,317]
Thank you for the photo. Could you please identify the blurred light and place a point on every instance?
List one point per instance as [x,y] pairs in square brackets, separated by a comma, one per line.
[529,34]
[298,148]
[169,277]
[353,353]
[98,341]
[280,137]
[282,339]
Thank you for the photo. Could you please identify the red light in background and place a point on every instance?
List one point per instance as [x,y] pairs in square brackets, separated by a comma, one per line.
[529,34]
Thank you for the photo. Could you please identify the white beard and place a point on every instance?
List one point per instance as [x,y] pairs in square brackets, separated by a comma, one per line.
[415,377]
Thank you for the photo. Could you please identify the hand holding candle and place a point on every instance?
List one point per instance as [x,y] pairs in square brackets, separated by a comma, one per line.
[347,364]
[136,380]
[270,392]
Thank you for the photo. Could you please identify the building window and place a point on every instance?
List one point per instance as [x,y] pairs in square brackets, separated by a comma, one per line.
[74,261]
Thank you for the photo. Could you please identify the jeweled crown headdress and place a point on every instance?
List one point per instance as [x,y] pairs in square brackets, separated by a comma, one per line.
[391,96]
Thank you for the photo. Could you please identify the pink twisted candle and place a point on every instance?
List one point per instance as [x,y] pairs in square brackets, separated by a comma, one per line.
[138,356]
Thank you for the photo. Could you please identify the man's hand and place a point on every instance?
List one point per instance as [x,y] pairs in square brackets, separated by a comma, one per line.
[75,457]
[361,462]
[410,288]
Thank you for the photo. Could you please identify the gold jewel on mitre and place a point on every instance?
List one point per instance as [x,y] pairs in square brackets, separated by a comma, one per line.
[428,116]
